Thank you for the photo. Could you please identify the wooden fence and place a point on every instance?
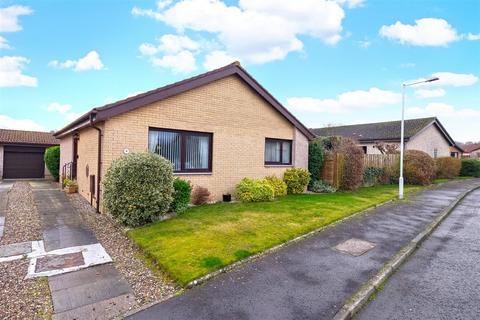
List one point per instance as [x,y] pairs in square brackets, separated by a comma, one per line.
[380,160]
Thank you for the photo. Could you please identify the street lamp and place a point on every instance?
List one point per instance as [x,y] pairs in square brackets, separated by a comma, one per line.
[404,85]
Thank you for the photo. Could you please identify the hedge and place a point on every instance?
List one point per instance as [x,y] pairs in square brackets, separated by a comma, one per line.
[470,168]
[419,168]
[315,159]
[296,179]
[254,190]
[447,167]
[52,161]
[278,185]
[181,195]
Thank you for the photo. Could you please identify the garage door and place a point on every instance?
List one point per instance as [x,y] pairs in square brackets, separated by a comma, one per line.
[23,162]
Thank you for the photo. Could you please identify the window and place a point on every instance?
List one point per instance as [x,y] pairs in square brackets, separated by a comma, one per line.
[364,148]
[188,151]
[278,151]
[435,153]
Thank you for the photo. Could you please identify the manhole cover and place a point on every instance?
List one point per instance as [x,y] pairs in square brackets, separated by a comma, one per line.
[54,262]
[354,247]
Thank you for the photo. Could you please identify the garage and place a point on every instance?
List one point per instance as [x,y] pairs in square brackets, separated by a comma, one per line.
[21,153]
[21,162]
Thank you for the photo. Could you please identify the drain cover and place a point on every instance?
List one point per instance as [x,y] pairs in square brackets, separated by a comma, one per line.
[355,247]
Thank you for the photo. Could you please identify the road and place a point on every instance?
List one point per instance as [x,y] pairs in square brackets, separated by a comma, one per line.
[442,279]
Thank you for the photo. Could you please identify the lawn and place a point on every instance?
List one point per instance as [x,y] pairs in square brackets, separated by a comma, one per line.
[206,238]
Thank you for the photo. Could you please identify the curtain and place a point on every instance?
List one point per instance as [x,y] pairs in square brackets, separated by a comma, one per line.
[166,144]
[286,152]
[197,152]
[272,151]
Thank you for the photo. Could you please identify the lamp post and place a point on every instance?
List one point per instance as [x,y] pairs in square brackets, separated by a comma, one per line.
[402,130]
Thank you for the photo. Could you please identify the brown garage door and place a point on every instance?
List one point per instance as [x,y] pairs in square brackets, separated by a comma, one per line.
[20,162]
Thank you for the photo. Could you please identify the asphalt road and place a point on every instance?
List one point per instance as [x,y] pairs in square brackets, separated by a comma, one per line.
[442,279]
[309,279]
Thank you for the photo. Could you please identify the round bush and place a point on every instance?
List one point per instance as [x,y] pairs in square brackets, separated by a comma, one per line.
[181,195]
[419,168]
[138,188]
[296,179]
[278,185]
[52,161]
[470,168]
[250,190]
[315,159]
[447,167]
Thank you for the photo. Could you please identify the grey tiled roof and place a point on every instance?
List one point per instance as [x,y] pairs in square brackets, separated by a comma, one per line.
[27,137]
[388,131]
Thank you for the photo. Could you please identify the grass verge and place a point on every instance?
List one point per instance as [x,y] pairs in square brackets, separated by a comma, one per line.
[206,238]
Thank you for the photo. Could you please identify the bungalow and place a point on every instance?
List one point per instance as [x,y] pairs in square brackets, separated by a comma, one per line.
[21,154]
[471,150]
[425,134]
[216,128]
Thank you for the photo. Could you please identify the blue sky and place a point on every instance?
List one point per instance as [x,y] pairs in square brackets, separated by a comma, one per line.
[329,62]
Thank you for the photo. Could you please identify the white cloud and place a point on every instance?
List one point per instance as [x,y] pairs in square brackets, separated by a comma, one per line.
[473,37]
[4,43]
[181,62]
[450,79]
[57,107]
[425,93]
[11,72]
[217,59]
[359,99]
[9,17]
[91,61]
[7,122]
[364,44]
[351,4]
[255,31]
[425,32]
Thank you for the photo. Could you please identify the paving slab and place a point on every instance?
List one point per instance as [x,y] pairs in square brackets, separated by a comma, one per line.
[15,249]
[309,279]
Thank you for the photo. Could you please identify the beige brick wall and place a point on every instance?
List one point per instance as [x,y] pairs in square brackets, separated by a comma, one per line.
[66,151]
[239,119]
[87,158]
[428,140]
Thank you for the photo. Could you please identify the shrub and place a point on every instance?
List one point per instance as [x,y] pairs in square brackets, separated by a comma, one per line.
[251,190]
[296,179]
[69,183]
[138,188]
[419,168]
[278,185]
[315,159]
[373,176]
[320,186]
[470,168]
[181,195]
[447,167]
[200,195]
[52,161]
[352,176]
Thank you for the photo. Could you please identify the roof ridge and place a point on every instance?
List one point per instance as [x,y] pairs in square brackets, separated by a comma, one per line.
[374,123]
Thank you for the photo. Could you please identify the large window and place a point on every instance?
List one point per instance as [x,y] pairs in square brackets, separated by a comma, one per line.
[188,151]
[278,152]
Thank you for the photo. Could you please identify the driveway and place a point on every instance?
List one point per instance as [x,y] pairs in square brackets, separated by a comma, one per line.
[442,279]
[310,279]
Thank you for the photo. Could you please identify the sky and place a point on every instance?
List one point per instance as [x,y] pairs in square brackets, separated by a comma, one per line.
[329,62]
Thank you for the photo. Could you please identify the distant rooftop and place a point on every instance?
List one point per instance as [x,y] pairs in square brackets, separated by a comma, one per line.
[380,131]
[27,137]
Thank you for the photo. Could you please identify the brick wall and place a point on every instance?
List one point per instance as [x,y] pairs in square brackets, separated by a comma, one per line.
[1,161]
[239,119]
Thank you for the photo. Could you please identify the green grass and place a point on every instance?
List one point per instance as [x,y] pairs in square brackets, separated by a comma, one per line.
[206,238]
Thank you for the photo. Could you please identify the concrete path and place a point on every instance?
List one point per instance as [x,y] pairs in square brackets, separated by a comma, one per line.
[5,186]
[97,292]
[442,279]
[310,279]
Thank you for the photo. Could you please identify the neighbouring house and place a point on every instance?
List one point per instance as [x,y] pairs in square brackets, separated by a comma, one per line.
[456,151]
[425,134]
[471,150]
[215,128]
[21,153]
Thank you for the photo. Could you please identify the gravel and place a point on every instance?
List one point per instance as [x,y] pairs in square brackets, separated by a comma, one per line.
[22,222]
[22,298]
[147,285]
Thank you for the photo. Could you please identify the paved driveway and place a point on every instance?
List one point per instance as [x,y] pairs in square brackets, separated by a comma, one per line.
[309,279]
[442,279]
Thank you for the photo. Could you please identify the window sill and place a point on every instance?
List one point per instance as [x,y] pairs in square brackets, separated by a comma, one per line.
[278,165]
[192,173]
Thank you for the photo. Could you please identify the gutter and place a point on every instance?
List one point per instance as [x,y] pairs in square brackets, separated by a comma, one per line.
[99,159]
